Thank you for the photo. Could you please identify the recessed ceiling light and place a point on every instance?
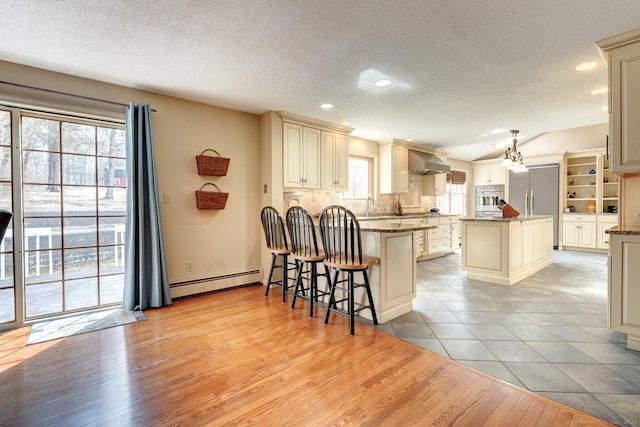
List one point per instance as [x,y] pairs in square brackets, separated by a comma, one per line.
[497,131]
[383,83]
[345,123]
[586,66]
[605,108]
[409,139]
[599,91]
[326,106]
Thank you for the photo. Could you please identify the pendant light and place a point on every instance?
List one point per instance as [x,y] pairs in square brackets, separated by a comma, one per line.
[512,157]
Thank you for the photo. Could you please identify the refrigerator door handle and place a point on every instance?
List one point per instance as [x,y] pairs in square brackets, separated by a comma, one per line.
[531,202]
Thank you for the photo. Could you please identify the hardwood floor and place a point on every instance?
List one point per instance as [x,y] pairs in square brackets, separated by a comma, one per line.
[238,358]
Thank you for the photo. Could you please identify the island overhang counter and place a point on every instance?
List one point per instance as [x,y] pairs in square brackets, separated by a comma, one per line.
[506,250]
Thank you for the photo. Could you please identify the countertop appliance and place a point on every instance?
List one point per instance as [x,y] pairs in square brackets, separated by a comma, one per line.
[488,200]
[535,192]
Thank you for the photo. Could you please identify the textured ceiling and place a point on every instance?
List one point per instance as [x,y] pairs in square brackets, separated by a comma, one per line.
[460,68]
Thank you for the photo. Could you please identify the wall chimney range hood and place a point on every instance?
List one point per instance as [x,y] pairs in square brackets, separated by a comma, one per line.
[426,164]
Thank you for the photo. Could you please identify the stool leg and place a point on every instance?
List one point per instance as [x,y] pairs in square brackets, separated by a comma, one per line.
[370,296]
[285,277]
[352,314]
[313,287]
[273,265]
[298,283]
[332,291]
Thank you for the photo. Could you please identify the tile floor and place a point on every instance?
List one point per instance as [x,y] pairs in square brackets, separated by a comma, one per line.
[547,333]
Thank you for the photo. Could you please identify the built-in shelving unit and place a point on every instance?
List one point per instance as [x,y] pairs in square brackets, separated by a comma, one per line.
[610,188]
[582,176]
[590,187]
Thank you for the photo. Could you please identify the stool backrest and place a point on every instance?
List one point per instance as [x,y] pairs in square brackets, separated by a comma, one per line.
[273,228]
[340,233]
[302,232]
[5,218]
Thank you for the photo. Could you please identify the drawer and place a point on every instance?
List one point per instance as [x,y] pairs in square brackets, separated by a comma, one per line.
[438,245]
[579,218]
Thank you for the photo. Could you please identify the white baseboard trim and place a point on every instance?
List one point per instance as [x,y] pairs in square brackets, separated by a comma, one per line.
[215,283]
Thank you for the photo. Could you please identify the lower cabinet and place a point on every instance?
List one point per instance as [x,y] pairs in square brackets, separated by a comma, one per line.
[443,238]
[605,223]
[624,287]
[579,231]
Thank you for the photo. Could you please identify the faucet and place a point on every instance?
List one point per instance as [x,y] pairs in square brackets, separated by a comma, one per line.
[369,203]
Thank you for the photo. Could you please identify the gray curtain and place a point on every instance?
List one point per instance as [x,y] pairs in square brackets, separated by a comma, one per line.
[146,283]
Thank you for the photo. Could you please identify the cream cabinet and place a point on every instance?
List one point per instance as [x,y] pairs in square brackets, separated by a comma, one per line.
[455,233]
[622,54]
[418,236]
[579,231]
[394,169]
[489,174]
[438,239]
[604,223]
[301,148]
[624,287]
[335,161]
[434,185]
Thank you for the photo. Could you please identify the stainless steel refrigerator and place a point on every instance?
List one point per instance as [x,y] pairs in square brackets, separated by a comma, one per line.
[536,191]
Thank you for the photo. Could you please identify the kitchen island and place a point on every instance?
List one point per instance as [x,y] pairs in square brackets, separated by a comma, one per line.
[393,279]
[506,250]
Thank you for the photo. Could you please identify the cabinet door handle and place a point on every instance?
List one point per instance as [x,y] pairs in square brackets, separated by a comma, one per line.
[607,150]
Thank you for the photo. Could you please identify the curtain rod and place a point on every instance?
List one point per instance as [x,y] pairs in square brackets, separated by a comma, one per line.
[66,94]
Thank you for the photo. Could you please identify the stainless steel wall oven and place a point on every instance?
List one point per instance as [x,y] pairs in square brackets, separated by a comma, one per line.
[487,200]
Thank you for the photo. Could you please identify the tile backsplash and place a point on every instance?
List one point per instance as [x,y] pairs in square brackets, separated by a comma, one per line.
[412,202]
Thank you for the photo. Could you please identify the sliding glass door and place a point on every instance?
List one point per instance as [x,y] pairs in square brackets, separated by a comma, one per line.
[71,214]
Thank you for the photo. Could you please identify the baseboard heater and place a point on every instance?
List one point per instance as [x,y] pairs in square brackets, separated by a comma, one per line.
[214,283]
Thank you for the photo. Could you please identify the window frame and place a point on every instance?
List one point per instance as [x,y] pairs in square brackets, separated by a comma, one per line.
[371,191]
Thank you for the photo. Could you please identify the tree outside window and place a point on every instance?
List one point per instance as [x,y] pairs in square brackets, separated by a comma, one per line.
[360,178]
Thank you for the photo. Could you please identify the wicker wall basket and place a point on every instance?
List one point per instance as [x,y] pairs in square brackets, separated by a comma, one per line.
[213,200]
[211,165]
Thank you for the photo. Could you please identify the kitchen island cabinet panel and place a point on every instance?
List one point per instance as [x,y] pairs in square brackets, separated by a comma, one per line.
[506,250]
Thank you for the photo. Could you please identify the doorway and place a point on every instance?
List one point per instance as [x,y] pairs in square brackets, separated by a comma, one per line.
[64,179]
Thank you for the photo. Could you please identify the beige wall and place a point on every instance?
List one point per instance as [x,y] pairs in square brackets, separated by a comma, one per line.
[224,242]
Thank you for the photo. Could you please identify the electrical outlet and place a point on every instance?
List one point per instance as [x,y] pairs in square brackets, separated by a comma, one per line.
[189,266]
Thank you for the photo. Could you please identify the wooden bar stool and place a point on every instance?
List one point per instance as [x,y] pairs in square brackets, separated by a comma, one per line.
[304,249]
[340,232]
[277,244]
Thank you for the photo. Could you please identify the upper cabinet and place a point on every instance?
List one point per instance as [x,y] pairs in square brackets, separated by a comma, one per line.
[301,148]
[622,53]
[315,154]
[335,161]
[394,169]
[434,185]
[492,173]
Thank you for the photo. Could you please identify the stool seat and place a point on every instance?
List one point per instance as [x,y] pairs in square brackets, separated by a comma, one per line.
[343,264]
[309,258]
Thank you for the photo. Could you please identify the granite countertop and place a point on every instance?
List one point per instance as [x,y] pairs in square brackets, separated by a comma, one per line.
[392,228]
[502,219]
[377,217]
[628,230]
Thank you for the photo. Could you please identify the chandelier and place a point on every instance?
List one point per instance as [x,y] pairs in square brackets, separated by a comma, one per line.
[512,157]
